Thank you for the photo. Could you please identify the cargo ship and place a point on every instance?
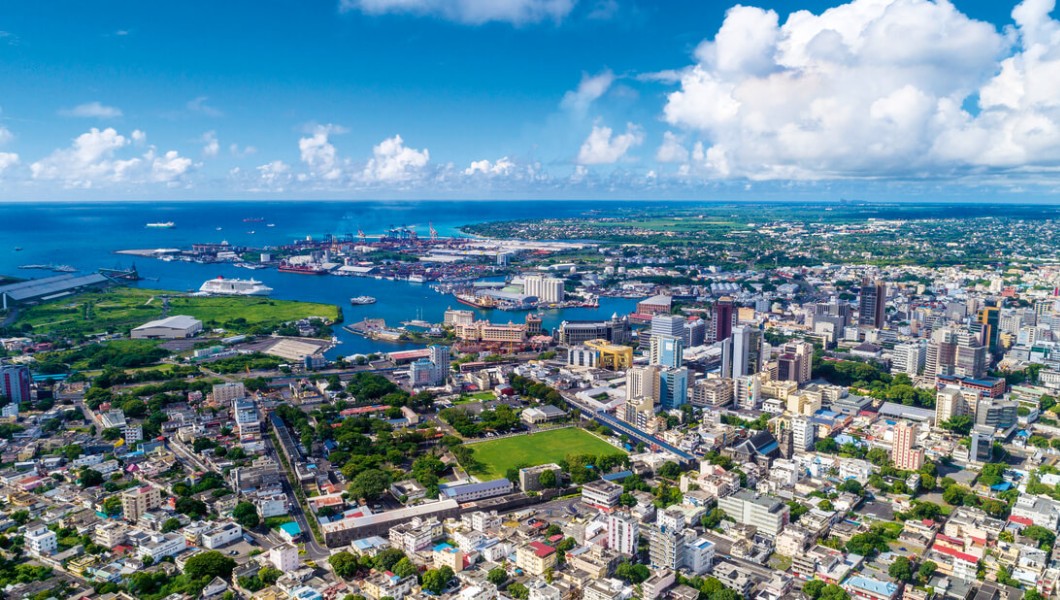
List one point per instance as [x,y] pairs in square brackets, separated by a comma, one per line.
[235,287]
[286,267]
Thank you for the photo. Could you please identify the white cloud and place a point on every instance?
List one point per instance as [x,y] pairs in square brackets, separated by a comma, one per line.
[275,175]
[671,150]
[199,105]
[470,12]
[92,110]
[392,161]
[589,90]
[5,135]
[601,147]
[7,160]
[319,154]
[92,161]
[503,167]
[243,152]
[211,146]
[873,88]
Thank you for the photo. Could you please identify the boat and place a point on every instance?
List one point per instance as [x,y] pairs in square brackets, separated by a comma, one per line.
[286,267]
[18,248]
[361,300]
[162,225]
[63,269]
[271,225]
[254,219]
[235,287]
[218,229]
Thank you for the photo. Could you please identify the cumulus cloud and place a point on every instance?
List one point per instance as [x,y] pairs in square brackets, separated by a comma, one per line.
[589,90]
[671,150]
[7,160]
[275,176]
[392,161]
[93,161]
[211,146]
[5,135]
[603,147]
[198,105]
[871,88]
[503,167]
[469,12]
[92,110]
[319,154]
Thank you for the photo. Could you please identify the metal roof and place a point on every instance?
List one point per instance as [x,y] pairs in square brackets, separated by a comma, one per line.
[38,288]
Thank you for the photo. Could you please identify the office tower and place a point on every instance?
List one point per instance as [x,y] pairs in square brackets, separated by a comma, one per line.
[908,359]
[970,359]
[747,355]
[666,547]
[642,382]
[712,392]
[996,413]
[989,317]
[747,391]
[15,384]
[695,333]
[623,529]
[668,325]
[982,446]
[803,433]
[795,362]
[666,351]
[904,456]
[673,388]
[724,319]
[950,402]
[872,304]
[439,355]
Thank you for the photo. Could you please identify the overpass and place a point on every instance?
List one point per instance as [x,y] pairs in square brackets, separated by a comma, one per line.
[632,432]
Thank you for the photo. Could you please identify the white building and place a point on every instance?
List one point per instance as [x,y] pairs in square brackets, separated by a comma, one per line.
[41,541]
[284,558]
[163,545]
[622,532]
[222,536]
[171,328]
[547,289]
[803,433]
[766,513]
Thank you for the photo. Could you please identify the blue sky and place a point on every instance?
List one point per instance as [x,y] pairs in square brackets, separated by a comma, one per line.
[529,98]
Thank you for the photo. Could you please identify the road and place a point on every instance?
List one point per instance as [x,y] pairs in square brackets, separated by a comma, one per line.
[313,550]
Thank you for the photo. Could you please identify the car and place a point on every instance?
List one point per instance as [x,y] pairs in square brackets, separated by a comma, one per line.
[233,553]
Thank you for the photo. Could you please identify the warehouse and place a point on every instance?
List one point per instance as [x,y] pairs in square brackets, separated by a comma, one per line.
[171,328]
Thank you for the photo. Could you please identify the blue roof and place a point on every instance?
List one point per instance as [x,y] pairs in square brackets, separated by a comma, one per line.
[884,588]
[471,488]
[292,529]
[1001,487]
[617,476]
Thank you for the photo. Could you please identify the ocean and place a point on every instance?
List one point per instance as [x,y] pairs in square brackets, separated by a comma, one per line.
[87,235]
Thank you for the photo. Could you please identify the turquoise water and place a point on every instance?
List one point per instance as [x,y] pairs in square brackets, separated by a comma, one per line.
[86,237]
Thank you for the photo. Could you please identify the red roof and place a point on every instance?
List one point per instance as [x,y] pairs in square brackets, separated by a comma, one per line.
[542,550]
[955,554]
[1020,520]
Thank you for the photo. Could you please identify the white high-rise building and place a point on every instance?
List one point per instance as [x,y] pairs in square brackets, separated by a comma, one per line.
[643,382]
[622,532]
[546,289]
[803,433]
[908,359]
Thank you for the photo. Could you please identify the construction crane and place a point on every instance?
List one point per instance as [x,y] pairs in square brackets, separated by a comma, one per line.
[434,232]
[360,234]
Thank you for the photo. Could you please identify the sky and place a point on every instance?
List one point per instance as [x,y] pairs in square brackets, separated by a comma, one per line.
[506,99]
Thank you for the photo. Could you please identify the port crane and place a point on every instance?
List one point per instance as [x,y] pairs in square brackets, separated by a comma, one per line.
[434,232]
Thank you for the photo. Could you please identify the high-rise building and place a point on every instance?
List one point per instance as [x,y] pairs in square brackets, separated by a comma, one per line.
[981,449]
[226,393]
[872,304]
[950,402]
[14,386]
[743,353]
[903,454]
[803,433]
[724,319]
[668,325]
[137,501]
[640,413]
[667,351]
[795,362]
[999,414]
[622,532]
[712,392]
[695,333]
[767,513]
[673,388]
[989,317]
[643,382]
[908,359]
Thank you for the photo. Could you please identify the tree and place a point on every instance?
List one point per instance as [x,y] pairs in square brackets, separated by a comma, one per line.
[632,573]
[404,568]
[813,588]
[954,494]
[369,484]
[497,576]
[1043,536]
[669,470]
[926,570]
[191,507]
[866,544]
[959,424]
[435,580]
[269,575]
[170,524]
[387,559]
[852,486]
[344,564]
[901,569]
[712,519]
[210,564]
[519,591]
[548,479]
[90,478]
[246,514]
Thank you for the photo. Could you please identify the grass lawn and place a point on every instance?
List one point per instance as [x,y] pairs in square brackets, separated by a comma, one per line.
[118,310]
[537,449]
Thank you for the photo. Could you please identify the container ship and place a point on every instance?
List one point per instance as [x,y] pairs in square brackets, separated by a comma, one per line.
[286,267]
[235,287]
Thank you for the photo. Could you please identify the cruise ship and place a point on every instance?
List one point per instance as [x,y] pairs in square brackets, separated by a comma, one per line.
[235,287]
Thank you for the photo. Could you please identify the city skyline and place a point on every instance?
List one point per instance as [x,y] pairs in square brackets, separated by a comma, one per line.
[581,99]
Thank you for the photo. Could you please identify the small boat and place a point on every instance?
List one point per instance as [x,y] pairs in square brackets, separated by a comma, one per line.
[162,225]
[18,248]
[251,232]
[362,300]
[271,225]
[218,229]
[254,220]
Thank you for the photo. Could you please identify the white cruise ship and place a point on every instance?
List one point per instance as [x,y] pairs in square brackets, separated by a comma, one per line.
[235,287]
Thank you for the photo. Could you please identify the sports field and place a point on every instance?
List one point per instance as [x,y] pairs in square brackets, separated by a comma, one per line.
[537,449]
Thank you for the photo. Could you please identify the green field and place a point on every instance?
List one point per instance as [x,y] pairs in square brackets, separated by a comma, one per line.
[537,449]
[118,310]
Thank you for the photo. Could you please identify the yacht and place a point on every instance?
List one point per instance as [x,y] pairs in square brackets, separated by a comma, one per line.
[235,287]
[361,300]
[162,225]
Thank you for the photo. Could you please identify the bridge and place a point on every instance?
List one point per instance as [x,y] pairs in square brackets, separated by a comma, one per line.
[632,432]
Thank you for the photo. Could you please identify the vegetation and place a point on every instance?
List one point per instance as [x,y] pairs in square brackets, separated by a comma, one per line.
[497,456]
